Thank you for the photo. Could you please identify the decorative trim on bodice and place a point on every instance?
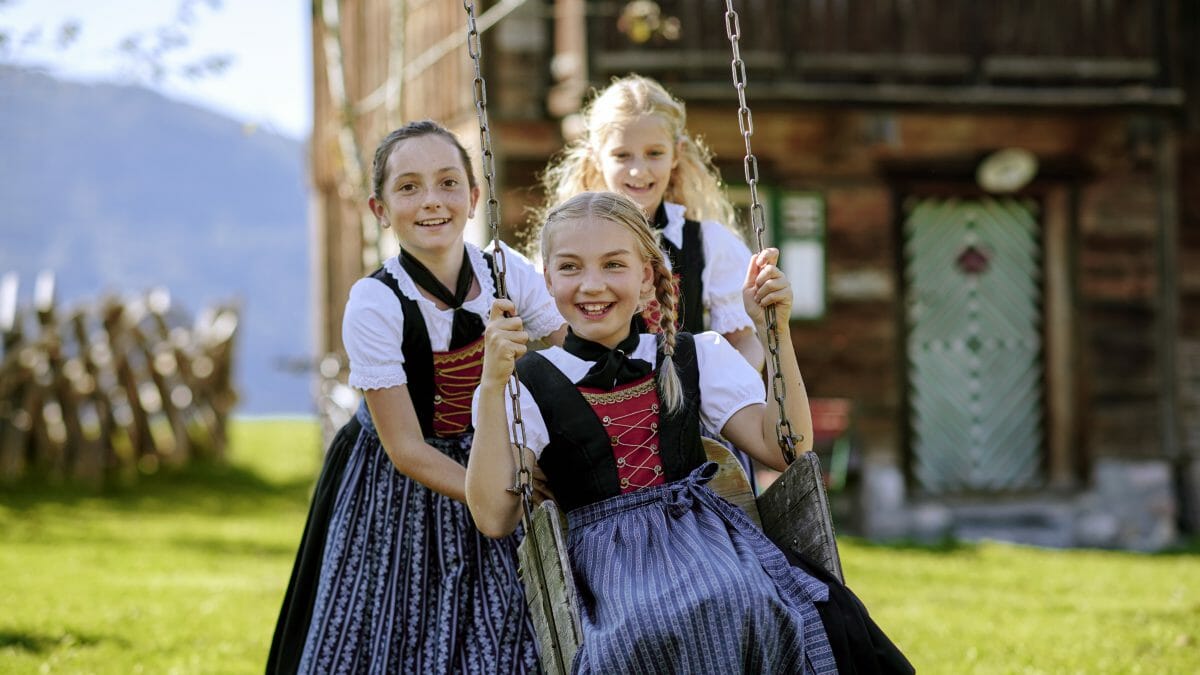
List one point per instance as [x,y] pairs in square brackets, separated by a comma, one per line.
[630,418]
[422,365]
[456,374]
[597,398]
[580,461]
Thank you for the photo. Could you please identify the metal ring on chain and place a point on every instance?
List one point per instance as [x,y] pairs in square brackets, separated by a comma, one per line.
[733,29]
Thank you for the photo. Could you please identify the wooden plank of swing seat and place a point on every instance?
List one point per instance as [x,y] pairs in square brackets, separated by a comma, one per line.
[557,641]
[730,481]
[795,514]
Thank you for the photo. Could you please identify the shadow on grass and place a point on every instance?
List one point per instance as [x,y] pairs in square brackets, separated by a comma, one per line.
[200,487]
[35,643]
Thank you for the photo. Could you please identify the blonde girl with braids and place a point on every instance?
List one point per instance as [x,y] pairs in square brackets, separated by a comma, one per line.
[636,142]
[672,578]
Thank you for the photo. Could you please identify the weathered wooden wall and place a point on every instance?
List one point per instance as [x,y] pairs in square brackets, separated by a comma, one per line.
[390,62]
[1097,188]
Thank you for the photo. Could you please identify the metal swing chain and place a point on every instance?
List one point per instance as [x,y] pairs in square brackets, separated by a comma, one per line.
[524,479]
[733,28]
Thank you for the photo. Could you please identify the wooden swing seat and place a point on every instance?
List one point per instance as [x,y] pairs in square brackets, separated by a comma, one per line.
[793,512]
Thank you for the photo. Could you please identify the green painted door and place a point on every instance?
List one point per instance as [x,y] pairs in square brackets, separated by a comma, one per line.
[974,346]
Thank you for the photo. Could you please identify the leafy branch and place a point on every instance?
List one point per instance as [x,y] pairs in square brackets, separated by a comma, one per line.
[151,56]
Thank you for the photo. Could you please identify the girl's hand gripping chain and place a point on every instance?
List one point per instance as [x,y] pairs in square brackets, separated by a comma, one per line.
[505,341]
[493,462]
[766,286]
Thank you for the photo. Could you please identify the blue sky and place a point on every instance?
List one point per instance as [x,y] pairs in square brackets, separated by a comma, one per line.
[268,81]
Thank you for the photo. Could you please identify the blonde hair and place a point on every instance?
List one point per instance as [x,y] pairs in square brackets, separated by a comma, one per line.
[619,209]
[695,182]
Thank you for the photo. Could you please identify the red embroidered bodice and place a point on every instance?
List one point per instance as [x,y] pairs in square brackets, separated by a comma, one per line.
[456,374]
[629,414]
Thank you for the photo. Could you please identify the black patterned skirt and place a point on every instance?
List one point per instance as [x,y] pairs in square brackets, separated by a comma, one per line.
[407,583]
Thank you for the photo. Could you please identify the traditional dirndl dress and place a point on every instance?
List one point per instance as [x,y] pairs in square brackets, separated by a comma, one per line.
[409,584]
[678,580]
[672,578]
[291,629]
[406,582]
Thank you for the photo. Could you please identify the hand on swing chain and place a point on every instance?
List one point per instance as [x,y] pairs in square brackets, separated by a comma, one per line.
[504,341]
[766,286]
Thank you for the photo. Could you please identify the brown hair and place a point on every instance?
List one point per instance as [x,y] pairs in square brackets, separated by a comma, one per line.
[413,130]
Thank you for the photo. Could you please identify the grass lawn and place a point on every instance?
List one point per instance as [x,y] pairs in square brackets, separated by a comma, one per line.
[184,573]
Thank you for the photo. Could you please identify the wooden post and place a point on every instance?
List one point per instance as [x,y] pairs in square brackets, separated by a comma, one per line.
[12,382]
[94,411]
[134,421]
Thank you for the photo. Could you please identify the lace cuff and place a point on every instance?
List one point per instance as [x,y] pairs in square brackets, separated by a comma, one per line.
[544,323]
[726,315]
[379,377]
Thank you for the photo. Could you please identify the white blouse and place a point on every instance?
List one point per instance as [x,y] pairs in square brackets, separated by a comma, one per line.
[727,384]
[373,325]
[726,259]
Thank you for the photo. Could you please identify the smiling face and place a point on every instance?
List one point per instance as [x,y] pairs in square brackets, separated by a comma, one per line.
[425,195]
[597,275]
[636,159]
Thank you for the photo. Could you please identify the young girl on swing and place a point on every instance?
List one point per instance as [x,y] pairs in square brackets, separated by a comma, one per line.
[406,582]
[636,142]
[671,577]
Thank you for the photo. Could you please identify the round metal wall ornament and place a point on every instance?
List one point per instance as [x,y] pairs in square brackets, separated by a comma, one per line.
[1006,171]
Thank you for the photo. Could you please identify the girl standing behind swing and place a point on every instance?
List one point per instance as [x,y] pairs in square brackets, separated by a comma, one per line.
[636,143]
[671,577]
[407,583]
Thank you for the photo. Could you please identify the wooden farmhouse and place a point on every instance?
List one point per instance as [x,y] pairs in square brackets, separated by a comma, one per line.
[991,212]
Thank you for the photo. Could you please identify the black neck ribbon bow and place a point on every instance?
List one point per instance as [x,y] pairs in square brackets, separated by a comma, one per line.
[612,367]
[467,325]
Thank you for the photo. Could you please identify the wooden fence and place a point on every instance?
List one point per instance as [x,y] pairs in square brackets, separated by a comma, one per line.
[112,388]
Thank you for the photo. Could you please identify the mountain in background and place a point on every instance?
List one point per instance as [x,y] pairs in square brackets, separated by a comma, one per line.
[118,189]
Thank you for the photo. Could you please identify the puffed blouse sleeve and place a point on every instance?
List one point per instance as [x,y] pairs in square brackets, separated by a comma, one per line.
[536,435]
[726,260]
[373,332]
[527,288]
[727,382]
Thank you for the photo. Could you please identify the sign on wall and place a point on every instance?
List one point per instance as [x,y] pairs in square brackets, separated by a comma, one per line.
[800,232]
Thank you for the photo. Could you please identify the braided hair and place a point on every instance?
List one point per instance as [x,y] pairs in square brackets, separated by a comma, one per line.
[617,208]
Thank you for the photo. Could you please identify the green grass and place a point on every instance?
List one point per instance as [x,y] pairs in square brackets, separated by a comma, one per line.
[184,573]
[181,573]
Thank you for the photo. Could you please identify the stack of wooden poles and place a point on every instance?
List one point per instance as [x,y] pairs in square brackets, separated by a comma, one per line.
[110,389]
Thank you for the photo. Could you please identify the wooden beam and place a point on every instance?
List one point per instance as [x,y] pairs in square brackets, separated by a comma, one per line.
[786,93]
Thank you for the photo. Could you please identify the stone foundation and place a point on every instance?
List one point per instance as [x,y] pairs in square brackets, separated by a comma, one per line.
[1132,505]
